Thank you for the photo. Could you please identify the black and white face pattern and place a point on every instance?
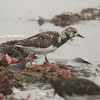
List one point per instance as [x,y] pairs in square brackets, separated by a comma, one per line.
[70,32]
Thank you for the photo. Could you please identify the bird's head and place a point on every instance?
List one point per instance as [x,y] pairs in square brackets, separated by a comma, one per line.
[71,32]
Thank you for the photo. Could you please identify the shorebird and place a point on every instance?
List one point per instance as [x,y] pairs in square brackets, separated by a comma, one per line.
[49,41]
[75,86]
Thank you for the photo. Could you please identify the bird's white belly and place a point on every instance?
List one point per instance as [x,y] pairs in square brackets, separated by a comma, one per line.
[39,50]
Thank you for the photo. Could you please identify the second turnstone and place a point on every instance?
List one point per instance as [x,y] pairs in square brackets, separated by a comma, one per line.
[48,41]
[75,87]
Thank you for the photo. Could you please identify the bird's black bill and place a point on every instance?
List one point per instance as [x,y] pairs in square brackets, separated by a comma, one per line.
[80,36]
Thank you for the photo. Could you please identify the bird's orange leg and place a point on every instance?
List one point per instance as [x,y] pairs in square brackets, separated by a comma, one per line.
[47,60]
[32,58]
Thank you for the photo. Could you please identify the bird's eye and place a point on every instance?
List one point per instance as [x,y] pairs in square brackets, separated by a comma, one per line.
[74,32]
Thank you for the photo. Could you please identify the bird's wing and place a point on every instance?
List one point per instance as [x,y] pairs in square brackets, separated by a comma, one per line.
[42,40]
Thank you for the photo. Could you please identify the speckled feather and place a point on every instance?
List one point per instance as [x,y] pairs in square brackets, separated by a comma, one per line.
[41,40]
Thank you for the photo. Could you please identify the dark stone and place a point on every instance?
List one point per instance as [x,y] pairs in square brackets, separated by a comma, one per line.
[20,66]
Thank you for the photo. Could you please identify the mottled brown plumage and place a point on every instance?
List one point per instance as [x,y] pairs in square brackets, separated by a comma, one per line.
[76,86]
[41,40]
[48,41]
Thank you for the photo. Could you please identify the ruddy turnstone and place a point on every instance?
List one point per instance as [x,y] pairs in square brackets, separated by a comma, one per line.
[48,41]
[75,86]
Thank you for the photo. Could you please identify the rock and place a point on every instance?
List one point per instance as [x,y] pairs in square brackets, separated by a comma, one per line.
[20,66]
